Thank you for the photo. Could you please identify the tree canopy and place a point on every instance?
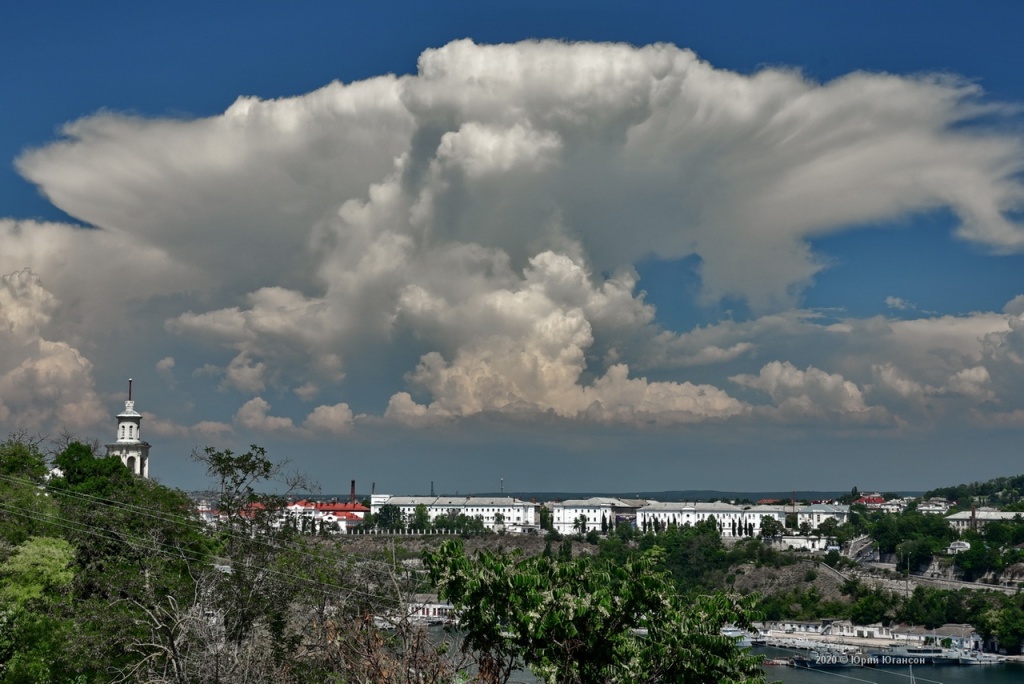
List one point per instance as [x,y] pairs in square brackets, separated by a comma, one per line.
[583,620]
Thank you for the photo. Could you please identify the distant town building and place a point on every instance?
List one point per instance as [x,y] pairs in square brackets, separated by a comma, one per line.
[958,546]
[815,514]
[133,452]
[977,519]
[934,505]
[594,514]
[329,516]
[874,501]
[732,520]
[496,513]
[896,505]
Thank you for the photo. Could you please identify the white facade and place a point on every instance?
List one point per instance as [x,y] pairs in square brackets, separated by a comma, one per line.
[133,452]
[600,513]
[732,521]
[815,514]
[801,543]
[974,520]
[497,513]
[935,506]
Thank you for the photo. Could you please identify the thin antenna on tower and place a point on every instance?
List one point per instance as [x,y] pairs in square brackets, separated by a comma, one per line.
[129,389]
[502,485]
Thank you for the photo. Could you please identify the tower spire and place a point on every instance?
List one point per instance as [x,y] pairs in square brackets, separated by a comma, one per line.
[129,445]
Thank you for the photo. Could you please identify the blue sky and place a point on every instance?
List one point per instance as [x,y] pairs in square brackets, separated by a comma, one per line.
[458,242]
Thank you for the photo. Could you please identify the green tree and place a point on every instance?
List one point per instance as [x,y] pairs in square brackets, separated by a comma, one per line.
[770,527]
[545,518]
[420,518]
[581,620]
[389,517]
[1009,627]
[23,512]
[828,527]
[35,587]
[791,519]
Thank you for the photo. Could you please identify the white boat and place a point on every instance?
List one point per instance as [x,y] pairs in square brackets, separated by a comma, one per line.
[914,655]
[969,657]
[742,637]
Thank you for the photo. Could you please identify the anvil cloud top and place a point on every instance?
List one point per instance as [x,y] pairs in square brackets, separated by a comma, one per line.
[501,241]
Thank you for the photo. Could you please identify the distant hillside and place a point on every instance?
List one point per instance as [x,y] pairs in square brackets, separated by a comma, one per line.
[1000,491]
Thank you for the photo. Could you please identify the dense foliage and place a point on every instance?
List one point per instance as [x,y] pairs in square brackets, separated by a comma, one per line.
[586,620]
[105,576]
[1000,491]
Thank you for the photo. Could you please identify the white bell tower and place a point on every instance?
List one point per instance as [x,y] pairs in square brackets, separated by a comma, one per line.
[134,453]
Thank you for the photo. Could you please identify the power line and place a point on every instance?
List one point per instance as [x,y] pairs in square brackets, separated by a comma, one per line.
[176,519]
[172,551]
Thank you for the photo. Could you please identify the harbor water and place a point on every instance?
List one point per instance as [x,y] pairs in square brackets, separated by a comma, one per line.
[1003,673]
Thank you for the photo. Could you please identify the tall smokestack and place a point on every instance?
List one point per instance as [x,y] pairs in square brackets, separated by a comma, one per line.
[352,493]
[373,488]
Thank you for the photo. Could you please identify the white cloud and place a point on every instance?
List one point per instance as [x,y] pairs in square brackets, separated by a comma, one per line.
[485,215]
[1015,307]
[898,303]
[330,420]
[245,374]
[45,385]
[322,421]
[253,415]
[812,393]
[165,369]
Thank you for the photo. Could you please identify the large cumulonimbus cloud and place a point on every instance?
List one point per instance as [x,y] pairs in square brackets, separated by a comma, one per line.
[487,212]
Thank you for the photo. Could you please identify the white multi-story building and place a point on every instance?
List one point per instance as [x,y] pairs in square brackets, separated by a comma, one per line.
[977,519]
[497,513]
[934,505]
[815,514]
[733,521]
[596,514]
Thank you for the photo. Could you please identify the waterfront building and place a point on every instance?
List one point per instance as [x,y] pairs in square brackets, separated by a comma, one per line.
[957,636]
[129,446]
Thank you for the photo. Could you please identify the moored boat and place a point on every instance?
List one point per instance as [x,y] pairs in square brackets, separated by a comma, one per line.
[968,657]
[825,660]
[901,656]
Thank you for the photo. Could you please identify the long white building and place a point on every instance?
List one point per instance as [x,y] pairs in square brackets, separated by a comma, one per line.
[500,512]
[598,513]
[733,521]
